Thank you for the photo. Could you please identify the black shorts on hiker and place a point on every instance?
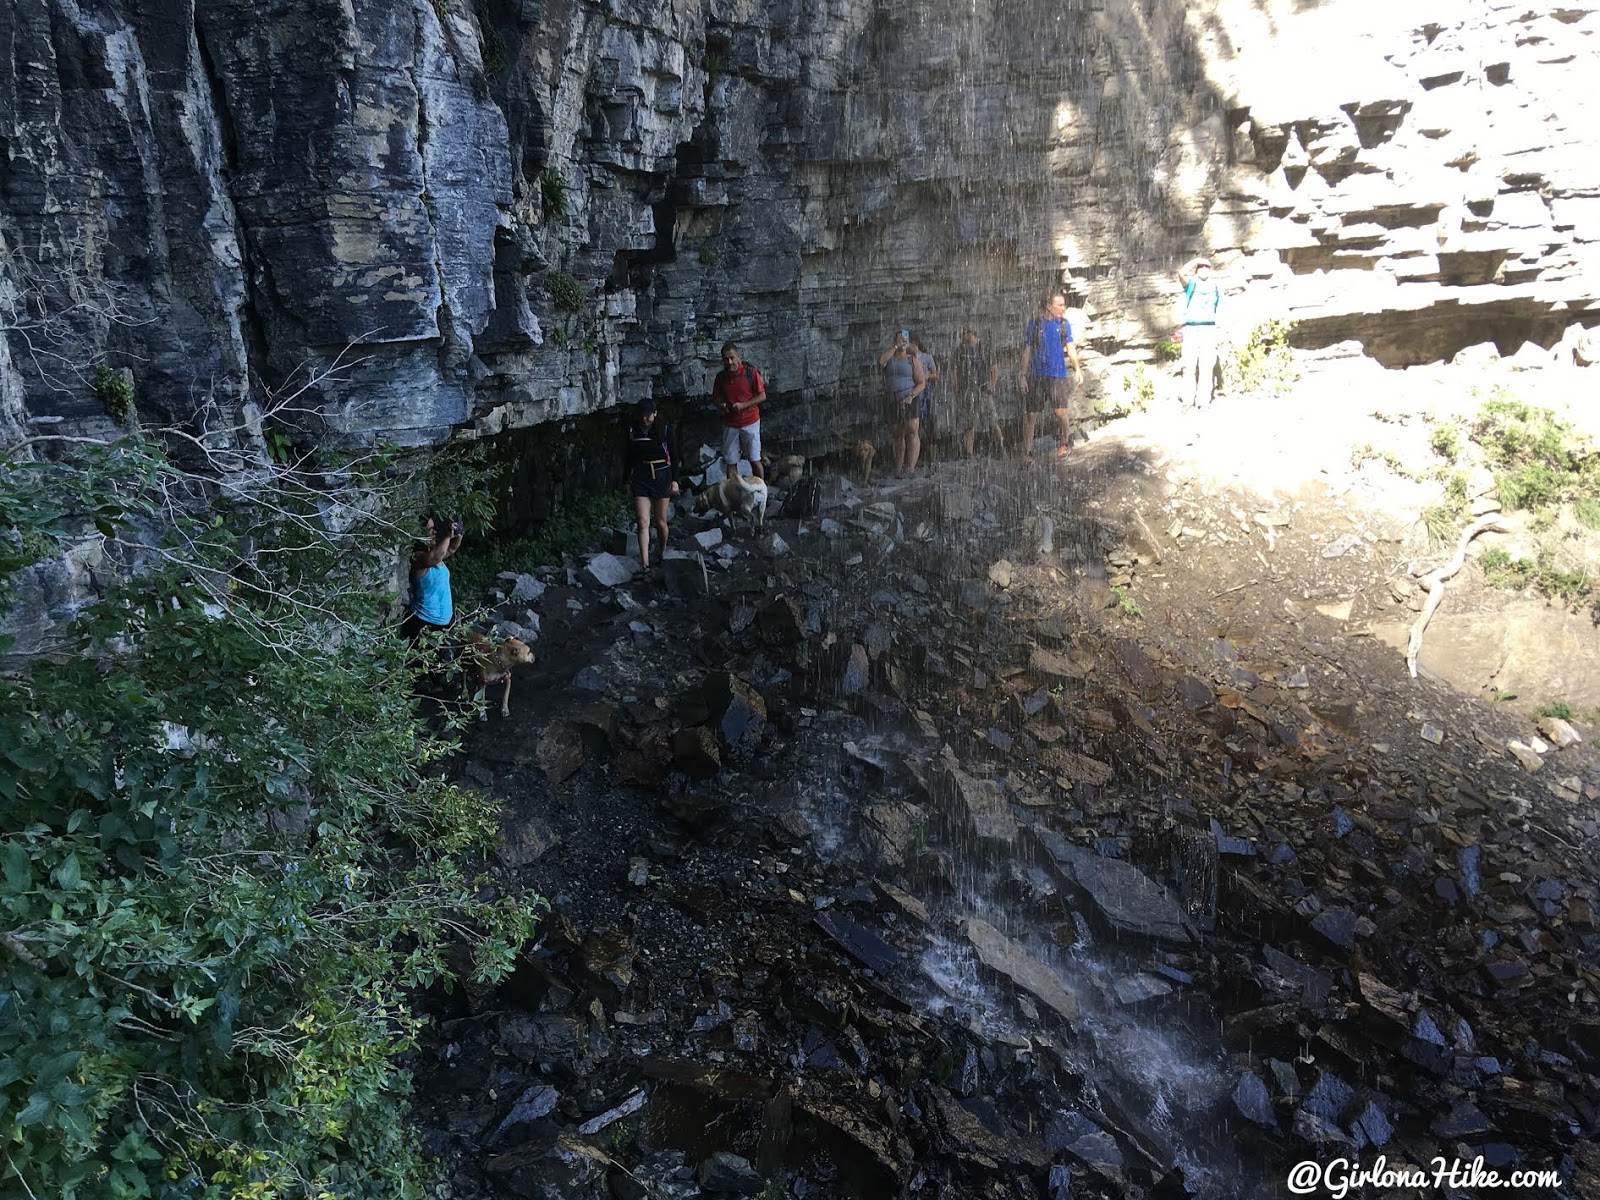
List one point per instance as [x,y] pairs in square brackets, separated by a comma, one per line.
[654,486]
[1046,391]
[414,626]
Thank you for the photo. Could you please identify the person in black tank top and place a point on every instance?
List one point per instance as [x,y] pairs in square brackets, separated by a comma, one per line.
[648,464]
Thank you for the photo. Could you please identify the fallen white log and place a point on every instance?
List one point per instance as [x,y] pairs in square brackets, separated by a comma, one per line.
[1435,579]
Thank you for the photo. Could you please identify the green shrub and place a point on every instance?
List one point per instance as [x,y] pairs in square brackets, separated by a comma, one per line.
[221,868]
[552,194]
[568,530]
[1263,363]
[114,389]
[566,291]
[1556,708]
[1167,350]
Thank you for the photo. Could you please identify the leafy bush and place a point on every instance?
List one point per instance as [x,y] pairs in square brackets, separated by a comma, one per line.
[1556,708]
[566,531]
[1569,586]
[222,865]
[552,194]
[566,291]
[1263,363]
[1538,459]
[114,389]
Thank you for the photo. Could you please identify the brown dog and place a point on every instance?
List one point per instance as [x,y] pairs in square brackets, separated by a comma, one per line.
[861,452]
[865,452]
[786,472]
[483,663]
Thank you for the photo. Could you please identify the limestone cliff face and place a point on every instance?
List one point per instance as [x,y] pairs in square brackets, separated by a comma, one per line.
[495,213]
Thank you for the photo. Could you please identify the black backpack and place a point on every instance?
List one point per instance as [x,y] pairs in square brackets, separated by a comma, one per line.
[804,499]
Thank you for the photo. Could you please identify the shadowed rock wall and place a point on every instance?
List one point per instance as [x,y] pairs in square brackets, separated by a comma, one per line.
[505,212]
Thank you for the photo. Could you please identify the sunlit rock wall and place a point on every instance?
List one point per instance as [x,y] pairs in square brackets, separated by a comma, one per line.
[471,216]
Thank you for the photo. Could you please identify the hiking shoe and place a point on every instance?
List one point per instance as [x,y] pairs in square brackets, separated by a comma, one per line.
[1061,451]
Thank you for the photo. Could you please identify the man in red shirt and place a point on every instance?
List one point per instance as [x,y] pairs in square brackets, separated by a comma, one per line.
[738,391]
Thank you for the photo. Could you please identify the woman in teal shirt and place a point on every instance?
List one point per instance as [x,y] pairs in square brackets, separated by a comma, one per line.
[430,605]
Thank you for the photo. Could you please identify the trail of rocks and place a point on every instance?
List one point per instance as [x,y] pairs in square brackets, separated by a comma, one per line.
[884,859]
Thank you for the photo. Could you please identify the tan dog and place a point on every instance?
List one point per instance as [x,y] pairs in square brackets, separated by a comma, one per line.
[735,496]
[483,663]
[861,453]
[865,452]
[786,472]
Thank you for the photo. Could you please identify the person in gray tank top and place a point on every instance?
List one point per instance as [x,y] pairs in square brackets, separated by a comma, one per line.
[904,382]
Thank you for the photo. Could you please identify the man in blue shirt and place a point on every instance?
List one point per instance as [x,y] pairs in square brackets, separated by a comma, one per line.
[1048,355]
[1202,297]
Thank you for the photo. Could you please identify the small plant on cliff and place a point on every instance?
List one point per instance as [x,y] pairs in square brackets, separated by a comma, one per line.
[222,868]
[552,194]
[114,389]
[1559,709]
[491,49]
[566,291]
[1167,350]
[573,527]
[1126,604]
[1263,363]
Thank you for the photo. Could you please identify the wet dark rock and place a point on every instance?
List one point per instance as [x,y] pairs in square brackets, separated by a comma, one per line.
[695,752]
[568,1168]
[543,1038]
[781,622]
[1384,1000]
[861,943]
[1374,1126]
[559,751]
[684,574]
[736,710]
[607,956]
[1328,1097]
[1469,860]
[1319,1132]
[1338,925]
[976,807]
[1048,667]
[725,1174]
[971,1139]
[1011,960]
[1343,822]
[1195,694]
[857,671]
[975,596]
[1228,844]
[524,840]
[1251,1099]
[1134,990]
[590,679]
[892,828]
[1283,1075]
[1124,896]
[538,1102]
[1315,985]
[1464,1120]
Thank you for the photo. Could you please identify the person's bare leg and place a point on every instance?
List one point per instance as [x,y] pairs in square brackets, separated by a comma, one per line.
[897,435]
[999,436]
[661,508]
[969,438]
[1064,426]
[1029,421]
[641,512]
[913,443]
